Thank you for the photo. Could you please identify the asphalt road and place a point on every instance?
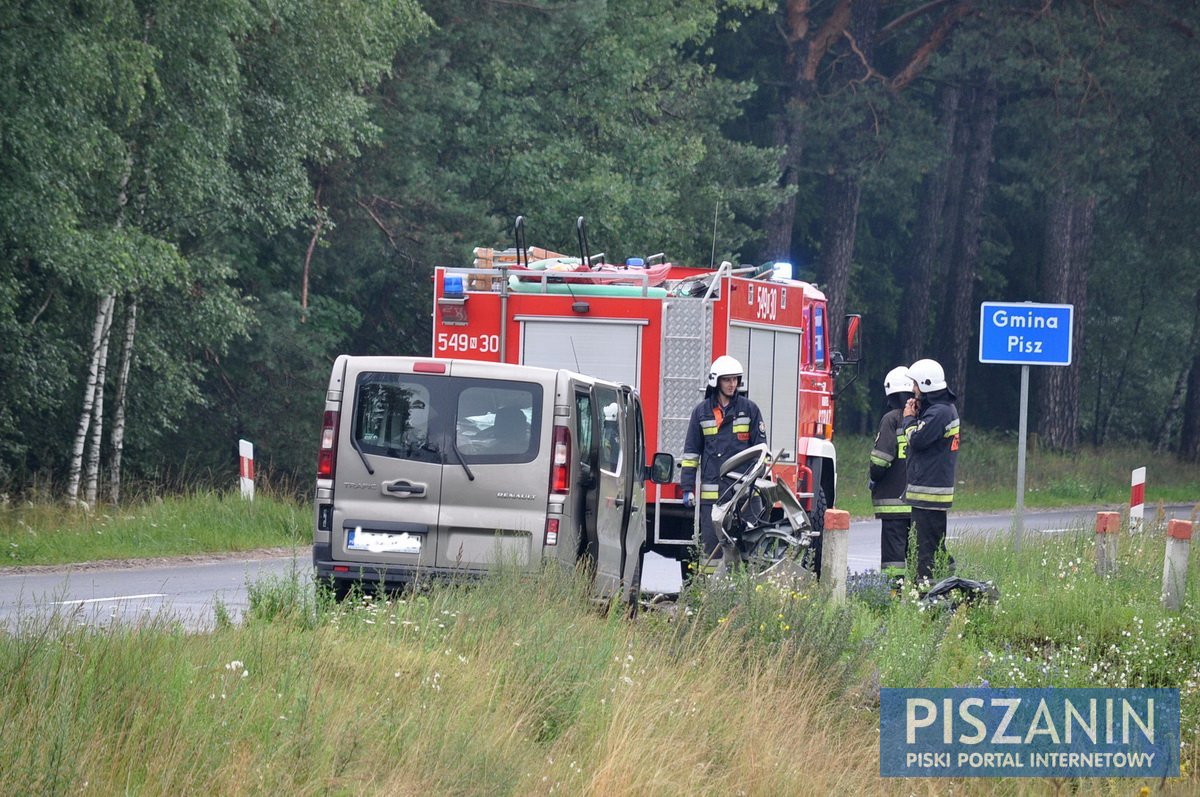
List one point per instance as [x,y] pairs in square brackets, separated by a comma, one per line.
[190,592]
[187,592]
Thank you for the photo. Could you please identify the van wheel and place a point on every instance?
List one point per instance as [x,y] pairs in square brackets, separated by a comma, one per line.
[635,591]
[587,552]
[340,588]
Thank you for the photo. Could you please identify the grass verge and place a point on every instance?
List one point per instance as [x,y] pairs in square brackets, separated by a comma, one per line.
[520,685]
[200,522]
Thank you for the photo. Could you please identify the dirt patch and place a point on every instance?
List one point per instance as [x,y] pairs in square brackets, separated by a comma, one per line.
[301,554]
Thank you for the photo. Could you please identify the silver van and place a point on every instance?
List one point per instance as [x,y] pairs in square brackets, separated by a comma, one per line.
[431,467]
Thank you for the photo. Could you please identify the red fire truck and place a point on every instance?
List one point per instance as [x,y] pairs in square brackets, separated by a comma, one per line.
[657,326]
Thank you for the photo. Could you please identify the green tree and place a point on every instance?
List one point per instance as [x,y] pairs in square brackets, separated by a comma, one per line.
[143,137]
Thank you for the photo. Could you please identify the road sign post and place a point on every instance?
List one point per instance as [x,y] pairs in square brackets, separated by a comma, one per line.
[1024,334]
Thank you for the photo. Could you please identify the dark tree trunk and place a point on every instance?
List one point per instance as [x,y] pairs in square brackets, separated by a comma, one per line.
[1105,408]
[800,88]
[1189,433]
[914,320]
[843,187]
[944,265]
[837,249]
[1069,222]
[964,258]
[779,223]
[1166,430]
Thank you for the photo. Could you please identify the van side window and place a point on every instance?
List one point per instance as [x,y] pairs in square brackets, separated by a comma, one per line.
[610,429]
[499,422]
[583,425]
[392,417]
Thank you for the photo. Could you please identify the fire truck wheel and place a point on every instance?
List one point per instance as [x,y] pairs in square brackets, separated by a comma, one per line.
[817,518]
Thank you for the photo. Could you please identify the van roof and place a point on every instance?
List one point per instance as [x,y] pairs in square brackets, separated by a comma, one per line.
[510,370]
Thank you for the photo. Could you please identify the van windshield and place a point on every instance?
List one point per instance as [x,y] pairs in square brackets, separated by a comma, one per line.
[407,416]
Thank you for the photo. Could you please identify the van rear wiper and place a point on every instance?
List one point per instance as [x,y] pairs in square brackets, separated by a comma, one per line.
[361,455]
[461,461]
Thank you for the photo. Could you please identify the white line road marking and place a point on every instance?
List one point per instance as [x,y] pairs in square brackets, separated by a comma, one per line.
[117,598]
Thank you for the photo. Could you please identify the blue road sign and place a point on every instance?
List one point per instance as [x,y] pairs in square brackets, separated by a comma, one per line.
[1024,333]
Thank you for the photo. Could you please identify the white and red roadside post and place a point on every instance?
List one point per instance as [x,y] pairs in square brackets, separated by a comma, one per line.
[1137,499]
[1107,526]
[1175,563]
[835,553]
[246,468]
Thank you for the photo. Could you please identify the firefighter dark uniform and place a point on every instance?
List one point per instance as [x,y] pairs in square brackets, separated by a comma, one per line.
[888,481]
[714,434]
[933,441]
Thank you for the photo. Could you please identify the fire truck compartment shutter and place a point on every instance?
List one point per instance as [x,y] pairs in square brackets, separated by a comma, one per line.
[772,359]
[608,350]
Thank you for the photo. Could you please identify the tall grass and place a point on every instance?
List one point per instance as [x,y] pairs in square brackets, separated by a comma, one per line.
[515,686]
[520,685]
[198,522]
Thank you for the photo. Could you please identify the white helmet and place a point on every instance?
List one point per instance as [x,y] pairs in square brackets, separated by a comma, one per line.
[897,381]
[928,375]
[724,366]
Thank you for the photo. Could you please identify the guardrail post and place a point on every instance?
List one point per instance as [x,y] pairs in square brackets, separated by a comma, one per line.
[1175,562]
[1107,525]
[246,468]
[1137,499]
[835,553]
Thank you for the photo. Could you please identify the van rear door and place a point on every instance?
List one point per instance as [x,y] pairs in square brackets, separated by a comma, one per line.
[496,480]
[389,478]
[613,461]
[634,520]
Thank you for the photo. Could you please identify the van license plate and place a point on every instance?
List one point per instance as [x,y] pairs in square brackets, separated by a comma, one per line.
[382,542]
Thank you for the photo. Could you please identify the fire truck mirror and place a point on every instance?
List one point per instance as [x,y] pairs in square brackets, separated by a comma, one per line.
[662,471]
[853,346]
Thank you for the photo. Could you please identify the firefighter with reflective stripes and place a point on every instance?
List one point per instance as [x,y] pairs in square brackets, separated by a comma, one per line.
[888,475]
[723,424]
[932,430]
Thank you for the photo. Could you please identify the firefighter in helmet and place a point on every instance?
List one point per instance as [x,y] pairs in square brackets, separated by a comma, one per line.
[888,475]
[932,430]
[725,423]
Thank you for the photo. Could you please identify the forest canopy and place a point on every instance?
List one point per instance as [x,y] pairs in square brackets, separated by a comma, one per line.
[202,204]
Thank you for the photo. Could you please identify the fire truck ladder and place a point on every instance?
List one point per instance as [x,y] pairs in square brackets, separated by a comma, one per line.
[686,348]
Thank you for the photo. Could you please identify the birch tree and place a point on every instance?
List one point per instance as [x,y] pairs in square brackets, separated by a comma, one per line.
[93,389]
[118,427]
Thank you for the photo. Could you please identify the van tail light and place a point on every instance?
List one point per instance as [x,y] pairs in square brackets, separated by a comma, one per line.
[560,467]
[551,531]
[327,455]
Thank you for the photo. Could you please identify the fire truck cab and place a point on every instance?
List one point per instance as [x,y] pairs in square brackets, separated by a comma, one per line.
[657,326]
